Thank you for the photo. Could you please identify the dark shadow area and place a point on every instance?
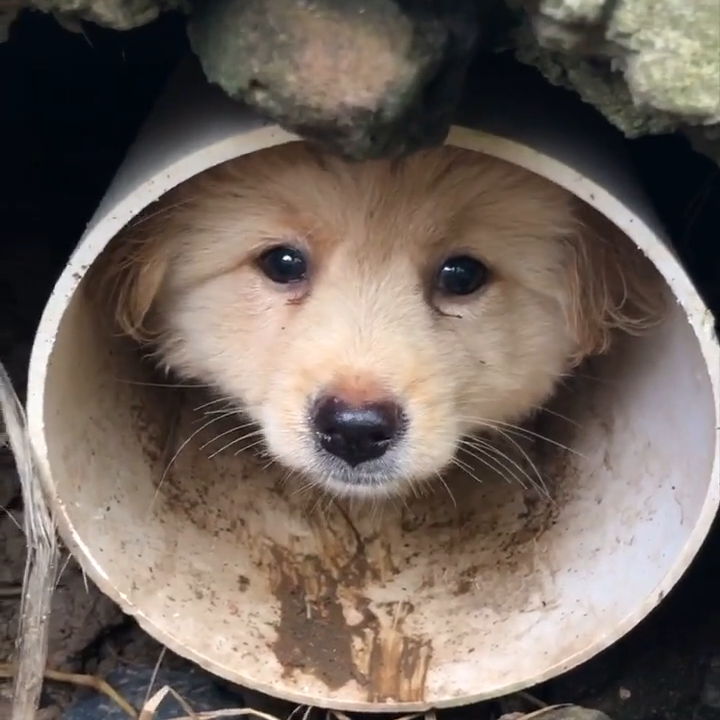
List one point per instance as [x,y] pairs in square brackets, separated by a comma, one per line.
[70,104]
[685,188]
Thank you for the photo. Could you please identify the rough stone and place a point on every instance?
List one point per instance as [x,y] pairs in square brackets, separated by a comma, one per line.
[116,14]
[650,66]
[367,78]
[672,55]
[596,83]
[380,77]
[667,51]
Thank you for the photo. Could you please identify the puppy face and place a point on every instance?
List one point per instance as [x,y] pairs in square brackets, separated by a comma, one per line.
[367,316]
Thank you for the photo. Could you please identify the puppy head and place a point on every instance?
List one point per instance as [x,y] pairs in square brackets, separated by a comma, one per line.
[369,315]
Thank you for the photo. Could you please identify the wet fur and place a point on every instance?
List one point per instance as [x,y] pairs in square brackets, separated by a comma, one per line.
[183,279]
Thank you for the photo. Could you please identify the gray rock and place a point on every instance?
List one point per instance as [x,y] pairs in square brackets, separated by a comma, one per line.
[135,685]
[380,77]
[117,14]
[650,66]
[366,78]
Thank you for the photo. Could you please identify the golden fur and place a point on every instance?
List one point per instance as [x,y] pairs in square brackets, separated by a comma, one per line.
[186,280]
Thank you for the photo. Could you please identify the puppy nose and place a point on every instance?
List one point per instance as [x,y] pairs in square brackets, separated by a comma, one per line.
[357,433]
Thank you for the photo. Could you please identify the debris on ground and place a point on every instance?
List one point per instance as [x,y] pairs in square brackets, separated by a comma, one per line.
[138,685]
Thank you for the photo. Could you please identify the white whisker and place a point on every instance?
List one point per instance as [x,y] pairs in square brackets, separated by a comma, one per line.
[478,444]
[447,487]
[468,469]
[519,430]
[253,433]
[176,386]
[235,428]
[183,445]
[541,481]
[212,402]
[500,467]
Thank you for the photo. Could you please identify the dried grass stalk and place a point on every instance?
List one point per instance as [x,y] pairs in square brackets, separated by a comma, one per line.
[41,563]
[554,712]
[152,705]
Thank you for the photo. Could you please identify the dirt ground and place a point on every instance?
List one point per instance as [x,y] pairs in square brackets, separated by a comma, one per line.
[68,113]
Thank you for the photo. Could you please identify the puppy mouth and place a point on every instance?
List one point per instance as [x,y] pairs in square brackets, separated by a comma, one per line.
[373,478]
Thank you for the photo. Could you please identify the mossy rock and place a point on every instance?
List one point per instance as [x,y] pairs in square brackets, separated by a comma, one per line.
[380,77]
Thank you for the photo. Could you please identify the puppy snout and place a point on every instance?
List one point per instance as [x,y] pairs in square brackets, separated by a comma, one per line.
[357,432]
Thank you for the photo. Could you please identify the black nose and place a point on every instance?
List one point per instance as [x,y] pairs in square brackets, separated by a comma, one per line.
[357,433]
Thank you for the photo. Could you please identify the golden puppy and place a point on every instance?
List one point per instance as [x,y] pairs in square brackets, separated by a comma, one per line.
[368,316]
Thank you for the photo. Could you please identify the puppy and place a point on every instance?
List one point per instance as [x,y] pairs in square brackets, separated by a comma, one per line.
[369,316]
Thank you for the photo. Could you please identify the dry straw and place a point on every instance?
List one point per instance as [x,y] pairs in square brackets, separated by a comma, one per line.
[554,712]
[40,565]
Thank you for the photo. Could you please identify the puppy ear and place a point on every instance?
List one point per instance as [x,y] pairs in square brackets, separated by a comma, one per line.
[611,285]
[130,275]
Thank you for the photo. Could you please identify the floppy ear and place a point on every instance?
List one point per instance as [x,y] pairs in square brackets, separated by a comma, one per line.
[131,273]
[611,285]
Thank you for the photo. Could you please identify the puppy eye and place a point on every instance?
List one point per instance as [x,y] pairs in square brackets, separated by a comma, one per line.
[461,275]
[283,264]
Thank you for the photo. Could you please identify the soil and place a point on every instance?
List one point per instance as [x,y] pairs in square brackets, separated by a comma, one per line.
[71,104]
